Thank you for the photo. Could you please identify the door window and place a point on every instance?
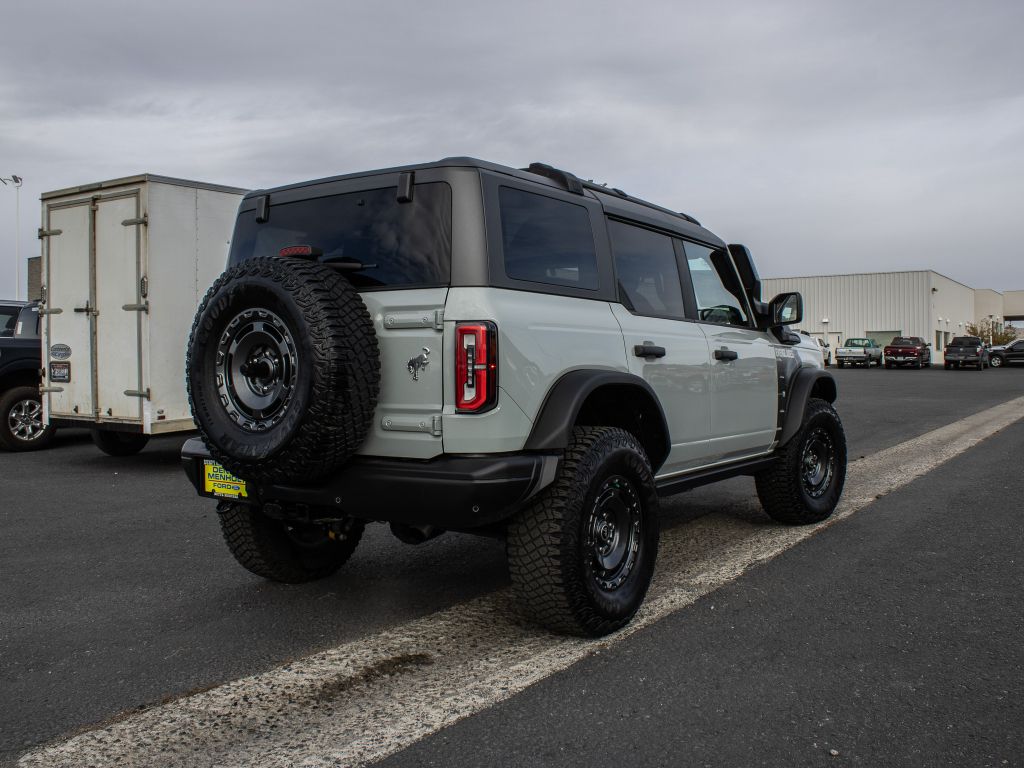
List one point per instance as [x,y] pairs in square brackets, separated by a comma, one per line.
[716,286]
[646,271]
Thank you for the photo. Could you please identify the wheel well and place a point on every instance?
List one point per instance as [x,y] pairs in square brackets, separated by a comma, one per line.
[23,378]
[825,389]
[629,408]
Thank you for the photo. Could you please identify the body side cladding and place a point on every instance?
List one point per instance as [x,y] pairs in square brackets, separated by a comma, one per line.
[606,398]
[804,384]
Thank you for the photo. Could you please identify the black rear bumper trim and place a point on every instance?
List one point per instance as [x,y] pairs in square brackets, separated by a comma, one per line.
[455,492]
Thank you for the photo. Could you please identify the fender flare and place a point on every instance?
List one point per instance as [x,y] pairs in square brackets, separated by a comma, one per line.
[561,408]
[803,383]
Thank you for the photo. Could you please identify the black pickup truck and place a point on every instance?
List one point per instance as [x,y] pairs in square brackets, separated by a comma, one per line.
[21,410]
[966,350]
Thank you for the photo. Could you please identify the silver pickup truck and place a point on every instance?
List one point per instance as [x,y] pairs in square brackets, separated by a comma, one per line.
[859,352]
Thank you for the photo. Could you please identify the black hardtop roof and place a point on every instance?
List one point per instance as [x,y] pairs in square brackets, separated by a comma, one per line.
[615,201]
[14,303]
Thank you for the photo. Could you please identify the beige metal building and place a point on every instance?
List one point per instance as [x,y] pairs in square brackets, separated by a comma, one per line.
[880,305]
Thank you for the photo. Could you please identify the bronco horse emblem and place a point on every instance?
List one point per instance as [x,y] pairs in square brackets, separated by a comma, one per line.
[419,363]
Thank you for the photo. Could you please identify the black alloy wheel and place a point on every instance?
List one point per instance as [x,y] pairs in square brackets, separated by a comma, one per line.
[256,366]
[804,483]
[613,533]
[581,555]
[818,462]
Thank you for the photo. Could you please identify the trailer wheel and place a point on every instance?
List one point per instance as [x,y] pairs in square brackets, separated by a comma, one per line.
[283,370]
[119,443]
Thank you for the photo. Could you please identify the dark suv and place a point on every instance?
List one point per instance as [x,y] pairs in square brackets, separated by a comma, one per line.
[21,411]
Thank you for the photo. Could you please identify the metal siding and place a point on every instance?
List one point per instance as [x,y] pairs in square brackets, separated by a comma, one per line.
[862,304]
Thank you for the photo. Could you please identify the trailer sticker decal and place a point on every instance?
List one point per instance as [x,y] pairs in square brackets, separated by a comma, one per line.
[60,373]
[60,351]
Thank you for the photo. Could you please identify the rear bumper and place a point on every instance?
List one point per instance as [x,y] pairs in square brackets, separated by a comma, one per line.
[903,357]
[456,492]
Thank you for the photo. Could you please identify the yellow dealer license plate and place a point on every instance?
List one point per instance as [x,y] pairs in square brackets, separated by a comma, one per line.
[217,481]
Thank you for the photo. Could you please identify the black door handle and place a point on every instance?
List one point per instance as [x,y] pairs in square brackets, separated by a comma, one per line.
[648,351]
[725,354]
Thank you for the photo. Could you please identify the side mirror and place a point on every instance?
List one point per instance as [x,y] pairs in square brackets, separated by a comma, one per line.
[786,309]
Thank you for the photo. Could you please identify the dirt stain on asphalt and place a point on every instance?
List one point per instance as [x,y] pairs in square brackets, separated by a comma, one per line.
[337,686]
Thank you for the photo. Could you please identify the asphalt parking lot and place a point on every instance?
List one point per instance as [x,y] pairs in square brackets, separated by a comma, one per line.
[118,593]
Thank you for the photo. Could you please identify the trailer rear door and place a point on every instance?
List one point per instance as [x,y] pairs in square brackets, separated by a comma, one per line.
[68,352]
[117,357]
[94,308]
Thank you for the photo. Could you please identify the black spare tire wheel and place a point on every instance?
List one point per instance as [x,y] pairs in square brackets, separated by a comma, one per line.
[283,370]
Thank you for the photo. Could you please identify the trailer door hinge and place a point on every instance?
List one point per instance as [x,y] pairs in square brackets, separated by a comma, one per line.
[435,425]
[439,319]
[144,393]
[49,232]
[143,220]
[143,307]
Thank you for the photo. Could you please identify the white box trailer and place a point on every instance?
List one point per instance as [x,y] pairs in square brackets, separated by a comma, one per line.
[124,266]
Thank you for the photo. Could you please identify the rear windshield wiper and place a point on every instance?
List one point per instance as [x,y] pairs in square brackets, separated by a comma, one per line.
[347,264]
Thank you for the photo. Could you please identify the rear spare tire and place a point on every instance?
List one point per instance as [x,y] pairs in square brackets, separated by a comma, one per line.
[283,370]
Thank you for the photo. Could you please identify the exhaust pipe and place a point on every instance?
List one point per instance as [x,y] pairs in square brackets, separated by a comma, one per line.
[415,534]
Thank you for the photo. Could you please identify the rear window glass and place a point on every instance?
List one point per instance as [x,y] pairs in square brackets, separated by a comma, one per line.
[965,341]
[398,244]
[8,320]
[546,240]
[857,343]
[903,341]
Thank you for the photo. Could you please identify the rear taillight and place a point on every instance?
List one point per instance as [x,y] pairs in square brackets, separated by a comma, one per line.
[476,367]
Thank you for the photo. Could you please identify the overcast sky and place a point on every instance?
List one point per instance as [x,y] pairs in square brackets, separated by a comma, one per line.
[828,137]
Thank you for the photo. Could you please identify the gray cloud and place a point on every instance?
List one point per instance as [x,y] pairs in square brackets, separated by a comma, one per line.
[828,136]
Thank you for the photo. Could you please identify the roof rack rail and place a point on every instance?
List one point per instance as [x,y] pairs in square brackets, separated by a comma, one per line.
[566,179]
[576,186]
[604,188]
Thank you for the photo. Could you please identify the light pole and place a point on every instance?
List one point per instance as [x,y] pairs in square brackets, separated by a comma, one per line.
[16,180]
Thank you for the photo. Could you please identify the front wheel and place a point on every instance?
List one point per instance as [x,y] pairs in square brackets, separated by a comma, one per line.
[581,557]
[119,443]
[21,420]
[996,361]
[289,552]
[805,482]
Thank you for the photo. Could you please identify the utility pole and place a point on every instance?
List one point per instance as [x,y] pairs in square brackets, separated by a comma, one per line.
[16,180]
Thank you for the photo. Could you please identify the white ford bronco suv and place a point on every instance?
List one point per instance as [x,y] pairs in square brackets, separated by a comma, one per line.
[469,347]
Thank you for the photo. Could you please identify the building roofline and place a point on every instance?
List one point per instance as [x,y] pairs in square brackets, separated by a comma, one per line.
[891,272]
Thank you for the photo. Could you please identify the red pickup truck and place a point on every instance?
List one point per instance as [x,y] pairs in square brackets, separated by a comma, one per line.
[908,350]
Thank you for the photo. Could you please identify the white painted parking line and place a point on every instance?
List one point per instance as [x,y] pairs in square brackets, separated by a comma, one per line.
[367,699]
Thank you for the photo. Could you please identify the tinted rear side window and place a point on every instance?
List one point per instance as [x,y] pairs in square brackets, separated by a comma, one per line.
[399,244]
[646,270]
[8,320]
[545,240]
